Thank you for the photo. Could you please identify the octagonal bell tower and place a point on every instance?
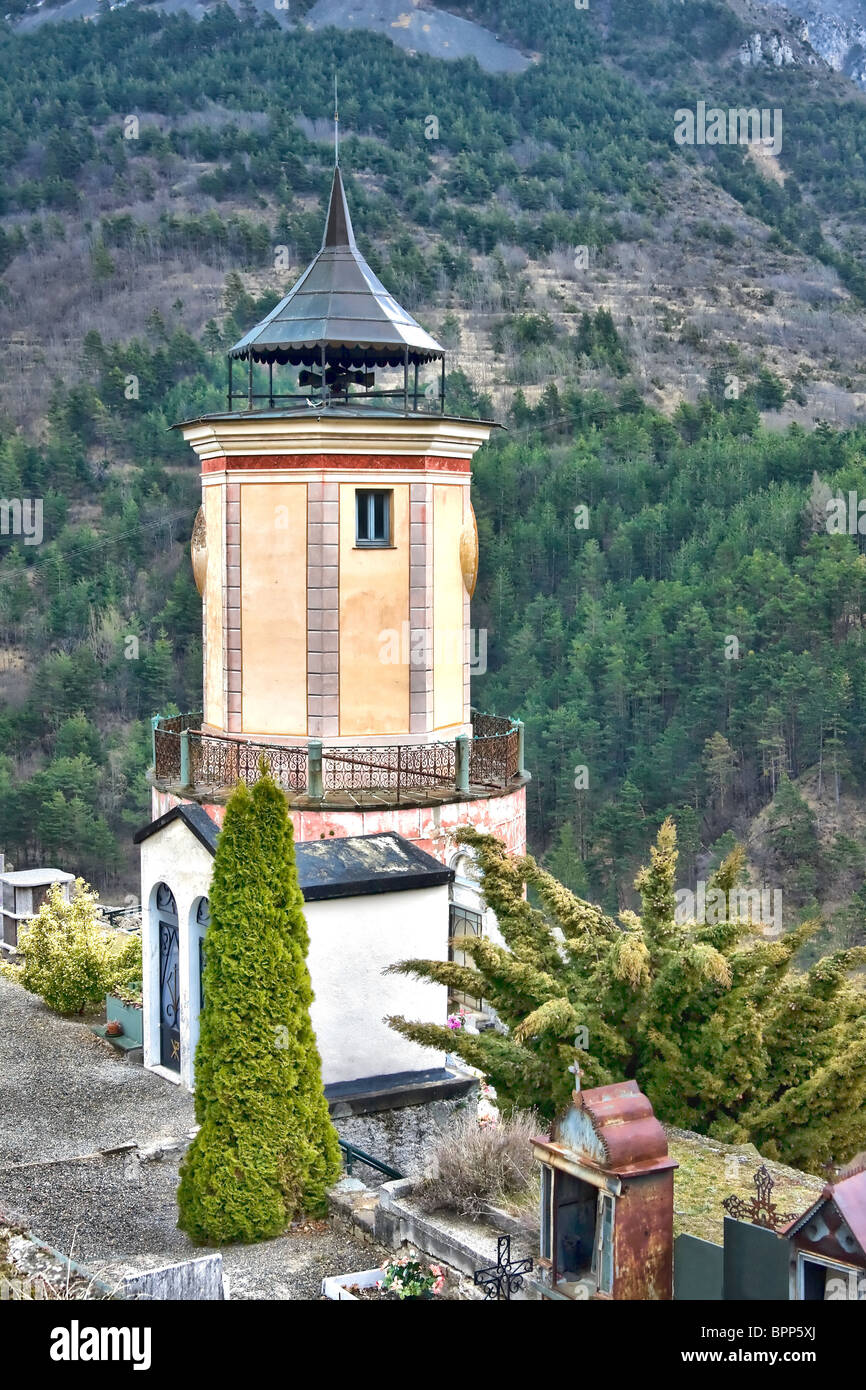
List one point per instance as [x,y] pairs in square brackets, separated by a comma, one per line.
[336,554]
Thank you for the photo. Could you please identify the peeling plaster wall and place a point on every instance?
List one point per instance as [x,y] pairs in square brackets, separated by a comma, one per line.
[431,828]
[374,601]
[273,583]
[214,667]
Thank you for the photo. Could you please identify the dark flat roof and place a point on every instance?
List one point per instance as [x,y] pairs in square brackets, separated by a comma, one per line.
[340,867]
[356,864]
[391,1092]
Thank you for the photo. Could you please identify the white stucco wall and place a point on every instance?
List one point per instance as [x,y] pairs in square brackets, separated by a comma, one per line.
[173,856]
[352,940]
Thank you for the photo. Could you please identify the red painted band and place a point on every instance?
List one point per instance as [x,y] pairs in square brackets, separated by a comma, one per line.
[416,463]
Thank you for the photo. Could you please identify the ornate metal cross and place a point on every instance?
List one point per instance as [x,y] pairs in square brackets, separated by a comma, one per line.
[761,1209]
[504,1278]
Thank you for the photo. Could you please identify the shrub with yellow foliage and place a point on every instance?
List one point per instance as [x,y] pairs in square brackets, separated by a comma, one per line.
[69,960]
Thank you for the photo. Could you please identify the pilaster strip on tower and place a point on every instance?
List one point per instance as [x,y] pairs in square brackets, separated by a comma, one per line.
[323,609]
[420,607]
[233,658]
[467,619]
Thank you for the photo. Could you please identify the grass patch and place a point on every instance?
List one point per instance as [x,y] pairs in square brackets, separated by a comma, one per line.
[706,1176]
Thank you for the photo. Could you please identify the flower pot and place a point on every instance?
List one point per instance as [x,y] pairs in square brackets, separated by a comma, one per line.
[129,1016]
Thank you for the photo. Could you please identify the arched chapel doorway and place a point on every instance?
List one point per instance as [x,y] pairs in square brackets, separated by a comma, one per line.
[169,977]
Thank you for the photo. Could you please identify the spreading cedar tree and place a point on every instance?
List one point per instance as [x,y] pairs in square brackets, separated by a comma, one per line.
[721,1029]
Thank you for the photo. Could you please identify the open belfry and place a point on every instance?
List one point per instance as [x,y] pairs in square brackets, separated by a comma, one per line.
[336,554]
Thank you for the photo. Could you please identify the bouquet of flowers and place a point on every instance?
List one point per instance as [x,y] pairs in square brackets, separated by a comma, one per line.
[408,1278]
[488,1110]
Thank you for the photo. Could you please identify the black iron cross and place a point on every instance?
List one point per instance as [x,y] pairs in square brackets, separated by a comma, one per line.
[504,1278]
[761,1210]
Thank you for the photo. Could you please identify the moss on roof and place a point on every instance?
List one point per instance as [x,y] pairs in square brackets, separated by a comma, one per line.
[710,1171]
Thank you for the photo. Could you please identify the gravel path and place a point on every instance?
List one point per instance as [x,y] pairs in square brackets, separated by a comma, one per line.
[64,1095]
[65,1092]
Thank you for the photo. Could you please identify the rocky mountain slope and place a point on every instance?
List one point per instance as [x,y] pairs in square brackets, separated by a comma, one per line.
[413,25]
[700,254]
[836,30]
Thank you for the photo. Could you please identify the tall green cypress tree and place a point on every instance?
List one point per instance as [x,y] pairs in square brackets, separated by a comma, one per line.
[266,1150]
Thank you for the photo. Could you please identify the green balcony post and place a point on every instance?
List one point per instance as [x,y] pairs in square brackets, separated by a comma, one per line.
[462,745]
[184,758]
[521,764]
[315,783]
[154,725]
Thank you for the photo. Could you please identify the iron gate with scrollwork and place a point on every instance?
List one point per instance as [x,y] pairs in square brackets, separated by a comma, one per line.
[169,979]
[202,919]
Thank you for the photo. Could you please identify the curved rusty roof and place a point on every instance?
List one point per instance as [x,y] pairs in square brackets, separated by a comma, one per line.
[338,303]
[625,1134]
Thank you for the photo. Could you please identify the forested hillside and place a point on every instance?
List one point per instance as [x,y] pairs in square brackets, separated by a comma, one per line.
[661,327]
[692,647]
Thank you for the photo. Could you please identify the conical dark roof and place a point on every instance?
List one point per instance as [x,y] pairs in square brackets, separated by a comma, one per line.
[338,302]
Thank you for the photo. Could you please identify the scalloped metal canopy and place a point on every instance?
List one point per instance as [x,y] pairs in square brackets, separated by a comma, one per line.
[338,305]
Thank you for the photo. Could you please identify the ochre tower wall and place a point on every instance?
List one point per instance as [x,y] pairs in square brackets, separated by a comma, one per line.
[373,600]
[450,515]
[273,578]
[213,635]
[312,634]
[307,633]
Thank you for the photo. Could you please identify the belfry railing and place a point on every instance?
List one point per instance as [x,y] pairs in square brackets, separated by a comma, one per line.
[192,759]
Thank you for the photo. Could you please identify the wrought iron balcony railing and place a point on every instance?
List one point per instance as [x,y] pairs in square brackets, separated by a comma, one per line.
[197,761]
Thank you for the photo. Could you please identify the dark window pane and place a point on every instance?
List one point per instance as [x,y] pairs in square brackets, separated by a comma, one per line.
[380,514]
[363,529]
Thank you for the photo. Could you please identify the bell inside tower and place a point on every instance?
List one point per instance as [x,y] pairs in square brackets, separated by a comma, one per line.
[338,338]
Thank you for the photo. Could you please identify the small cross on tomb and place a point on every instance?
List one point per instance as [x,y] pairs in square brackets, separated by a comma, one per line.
[575,1066]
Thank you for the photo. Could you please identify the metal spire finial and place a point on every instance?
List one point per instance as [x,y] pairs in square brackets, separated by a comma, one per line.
[336,126]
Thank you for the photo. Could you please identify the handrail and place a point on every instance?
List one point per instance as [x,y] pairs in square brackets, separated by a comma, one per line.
[491,758]
[356,1155]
